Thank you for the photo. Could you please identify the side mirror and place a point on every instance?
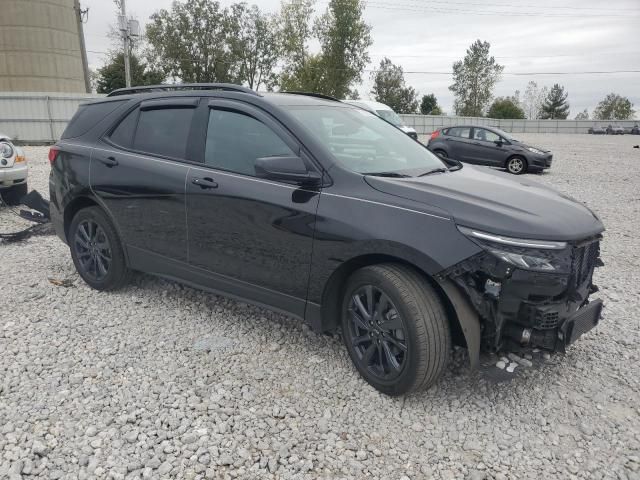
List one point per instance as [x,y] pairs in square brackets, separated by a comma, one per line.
[498,143]
[289,168]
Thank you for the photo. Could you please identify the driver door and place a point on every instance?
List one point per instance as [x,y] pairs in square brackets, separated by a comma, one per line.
[251,236]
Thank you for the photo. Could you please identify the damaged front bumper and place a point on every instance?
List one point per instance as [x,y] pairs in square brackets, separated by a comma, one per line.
[543,309]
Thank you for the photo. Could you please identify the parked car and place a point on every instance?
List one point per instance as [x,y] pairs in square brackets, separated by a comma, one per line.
[13,171]
[615,130]
[597,130]
[386,113]
[635,130]
[324,211]
[489,146]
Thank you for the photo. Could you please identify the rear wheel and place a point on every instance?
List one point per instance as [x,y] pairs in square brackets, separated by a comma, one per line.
[440,152]
[395,328]
[96,250]
[13,195]
[516,165]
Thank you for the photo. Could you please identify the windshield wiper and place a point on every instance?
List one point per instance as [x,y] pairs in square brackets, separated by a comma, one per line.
[387,174]
[435,170]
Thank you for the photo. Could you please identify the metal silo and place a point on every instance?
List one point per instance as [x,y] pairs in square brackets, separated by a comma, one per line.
[41,46]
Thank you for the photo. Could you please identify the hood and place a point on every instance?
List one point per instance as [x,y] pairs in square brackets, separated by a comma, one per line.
[498,203]
[4,137]
[525,145]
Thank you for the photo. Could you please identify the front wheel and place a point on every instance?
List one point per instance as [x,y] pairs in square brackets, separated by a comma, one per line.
[395,328]
[516,165]
[96,250]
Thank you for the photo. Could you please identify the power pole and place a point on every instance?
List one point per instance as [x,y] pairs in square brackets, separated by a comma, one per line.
[124,29]
[83,48]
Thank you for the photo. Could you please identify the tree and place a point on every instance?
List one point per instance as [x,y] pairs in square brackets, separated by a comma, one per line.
[533,99]
[111,76]
[614,107]
[389,88]
[255,45]
[191,42]
[505,107]
[555,105]
[344,39]
[474,78]
[584,115]
[429,105]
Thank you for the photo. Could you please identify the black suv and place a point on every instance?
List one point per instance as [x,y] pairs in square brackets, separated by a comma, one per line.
[324,211]
[489,146]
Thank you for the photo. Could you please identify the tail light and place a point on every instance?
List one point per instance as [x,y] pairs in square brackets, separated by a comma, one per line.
[53,154]
[435,134]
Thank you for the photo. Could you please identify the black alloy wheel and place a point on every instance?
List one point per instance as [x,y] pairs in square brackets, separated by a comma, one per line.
[377,333]
[93,250]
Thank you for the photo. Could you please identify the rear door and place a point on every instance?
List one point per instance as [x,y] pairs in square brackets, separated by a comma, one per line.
[458,140]
[253,236]
[138,172]
[488,148]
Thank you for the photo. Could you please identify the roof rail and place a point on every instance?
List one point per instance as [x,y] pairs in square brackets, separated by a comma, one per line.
[313,94]
[182,86]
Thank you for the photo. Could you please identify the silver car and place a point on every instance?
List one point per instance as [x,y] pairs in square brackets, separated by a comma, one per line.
[13,171]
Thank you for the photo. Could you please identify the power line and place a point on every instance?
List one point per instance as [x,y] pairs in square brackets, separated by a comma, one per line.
[446,3]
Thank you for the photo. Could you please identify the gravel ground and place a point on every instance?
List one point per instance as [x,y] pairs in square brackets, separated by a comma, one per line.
[164,381]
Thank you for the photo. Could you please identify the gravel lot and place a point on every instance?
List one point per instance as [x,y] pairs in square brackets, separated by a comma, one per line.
[164,381]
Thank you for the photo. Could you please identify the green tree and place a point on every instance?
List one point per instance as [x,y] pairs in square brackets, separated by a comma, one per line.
[111,75]
[389,88]
[533,99]
[429,105]
[555,105]
[295,32]
[191,42]
[584,115]
[505,107]
[254,44]
[614,107]
[344,40]
[473,80]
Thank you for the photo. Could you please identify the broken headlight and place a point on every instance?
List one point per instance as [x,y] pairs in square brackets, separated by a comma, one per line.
[536,255]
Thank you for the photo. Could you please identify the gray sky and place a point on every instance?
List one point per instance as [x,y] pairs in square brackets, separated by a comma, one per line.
[525,35]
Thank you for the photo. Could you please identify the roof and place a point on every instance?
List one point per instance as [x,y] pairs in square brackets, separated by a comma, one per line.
[369,104]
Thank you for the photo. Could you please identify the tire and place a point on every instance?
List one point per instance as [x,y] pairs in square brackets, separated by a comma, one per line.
[96,250]
[440,152]
[412,317]
[12,195]
[516,165]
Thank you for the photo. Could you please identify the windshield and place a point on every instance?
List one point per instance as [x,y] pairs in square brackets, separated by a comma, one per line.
[364,143]
[390,116]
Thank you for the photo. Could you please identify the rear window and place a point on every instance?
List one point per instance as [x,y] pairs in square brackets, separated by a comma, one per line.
[164,131]
[88,116]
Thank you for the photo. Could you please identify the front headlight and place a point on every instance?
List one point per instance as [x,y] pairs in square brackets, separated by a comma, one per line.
[536,255]
[6,150]
[535,150]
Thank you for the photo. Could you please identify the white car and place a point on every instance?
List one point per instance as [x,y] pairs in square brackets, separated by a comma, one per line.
[385,112]
[13,171]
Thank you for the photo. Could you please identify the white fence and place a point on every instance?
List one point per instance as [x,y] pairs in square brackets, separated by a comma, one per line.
[41,118]
[425,124]
[38,117]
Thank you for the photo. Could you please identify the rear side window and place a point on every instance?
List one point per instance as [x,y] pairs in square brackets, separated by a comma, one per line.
[123,133]
[164,131]
[235,141]
[87,116]
[463,132]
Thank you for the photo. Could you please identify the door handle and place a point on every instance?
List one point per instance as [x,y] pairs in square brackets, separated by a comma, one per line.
[206,182]
[109,161]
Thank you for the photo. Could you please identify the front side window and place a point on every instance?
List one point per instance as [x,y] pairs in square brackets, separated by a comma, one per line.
[364,143]
[485,135]
[164,131]
[236,140]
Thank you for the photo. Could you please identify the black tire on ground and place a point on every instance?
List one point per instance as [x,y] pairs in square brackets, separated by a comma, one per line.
[440,152]
[516,165]
[411,316]
[13,195]
[96,250]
